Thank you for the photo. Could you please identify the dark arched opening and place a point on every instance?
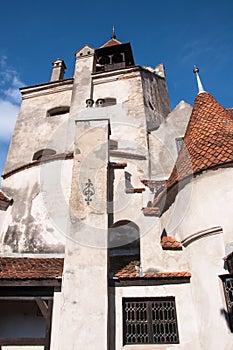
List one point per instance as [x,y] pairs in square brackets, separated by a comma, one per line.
[124,244]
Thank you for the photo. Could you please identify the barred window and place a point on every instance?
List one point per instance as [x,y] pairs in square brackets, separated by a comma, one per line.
[228,291]
[150,321]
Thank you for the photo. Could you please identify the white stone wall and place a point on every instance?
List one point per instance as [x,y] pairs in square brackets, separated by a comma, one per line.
[187,325]
[201,206]
[156,99]
[84,314]
[162,142]
[37,220]
[34,130]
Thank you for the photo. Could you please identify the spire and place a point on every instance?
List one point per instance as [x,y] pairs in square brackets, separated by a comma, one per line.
[113,41]
[113,36]
[199,84]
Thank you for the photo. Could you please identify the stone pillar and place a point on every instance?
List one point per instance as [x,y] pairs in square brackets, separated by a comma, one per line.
[84,305]
[82,90]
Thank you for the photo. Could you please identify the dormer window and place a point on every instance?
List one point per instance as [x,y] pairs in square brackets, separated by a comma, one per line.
[57,111]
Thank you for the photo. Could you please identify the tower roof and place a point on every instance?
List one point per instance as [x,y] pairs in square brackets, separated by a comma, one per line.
[208,142]
[113,41]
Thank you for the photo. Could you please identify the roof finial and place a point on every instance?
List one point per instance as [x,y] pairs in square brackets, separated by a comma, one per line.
[199,84]
[113,36]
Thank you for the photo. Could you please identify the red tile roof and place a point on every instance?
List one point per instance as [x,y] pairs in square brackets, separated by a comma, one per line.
[111,42]
[30,268]
[52,268]
[154,184]
[170,243]
[4,197]
[230,110]
[208,143]
[132,271]
[208,139]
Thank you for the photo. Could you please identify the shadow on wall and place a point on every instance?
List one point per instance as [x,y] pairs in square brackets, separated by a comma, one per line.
[228,318]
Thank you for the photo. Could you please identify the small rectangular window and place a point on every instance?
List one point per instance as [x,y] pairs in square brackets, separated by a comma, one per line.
[179,143]
[150,321]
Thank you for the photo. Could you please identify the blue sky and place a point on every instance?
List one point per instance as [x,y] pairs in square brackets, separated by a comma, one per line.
[178,33]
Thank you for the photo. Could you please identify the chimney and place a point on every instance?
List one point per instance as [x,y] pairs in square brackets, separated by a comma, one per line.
[58,70]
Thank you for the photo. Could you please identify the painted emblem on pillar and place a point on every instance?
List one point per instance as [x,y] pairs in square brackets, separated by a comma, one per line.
[89,191]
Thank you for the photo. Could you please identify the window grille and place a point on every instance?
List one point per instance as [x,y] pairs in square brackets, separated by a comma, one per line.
[228,290]
[150,321]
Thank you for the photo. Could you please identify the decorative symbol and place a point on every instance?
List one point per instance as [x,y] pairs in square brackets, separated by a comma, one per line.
[89,191]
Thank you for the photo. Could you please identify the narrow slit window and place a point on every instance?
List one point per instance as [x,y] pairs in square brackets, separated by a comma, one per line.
[57,111]
[179,143]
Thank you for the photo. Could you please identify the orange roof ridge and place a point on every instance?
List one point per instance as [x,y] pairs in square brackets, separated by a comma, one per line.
[207,143]
[111,42]
[132,270]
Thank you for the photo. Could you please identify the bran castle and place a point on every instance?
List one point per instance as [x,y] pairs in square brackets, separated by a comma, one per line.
[115,213]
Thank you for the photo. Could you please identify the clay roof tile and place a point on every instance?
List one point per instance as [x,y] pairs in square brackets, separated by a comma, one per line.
[132,271]
[111,42]
[209,122]
[30,268]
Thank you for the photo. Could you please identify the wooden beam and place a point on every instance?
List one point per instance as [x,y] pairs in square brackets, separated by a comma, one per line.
[22,341]
[31,283]
[43,307]
[48,325]
[24,298]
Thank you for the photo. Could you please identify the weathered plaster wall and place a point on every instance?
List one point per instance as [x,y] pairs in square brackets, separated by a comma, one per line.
[128,120]
[34,130]
[127,130]
[156,99]
[187,325]
[162,143]
[205,198]
[37,220]
[200,206]
[85,283]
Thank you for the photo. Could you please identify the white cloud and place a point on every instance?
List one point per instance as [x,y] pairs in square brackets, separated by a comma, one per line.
[8,115]
[9,98]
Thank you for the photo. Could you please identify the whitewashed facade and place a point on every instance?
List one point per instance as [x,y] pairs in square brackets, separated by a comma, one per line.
[90,178]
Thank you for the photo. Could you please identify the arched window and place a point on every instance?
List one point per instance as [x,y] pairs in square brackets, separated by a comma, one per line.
[104,60]
[118,58]
[43,153]
[124,244]
[56,111]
